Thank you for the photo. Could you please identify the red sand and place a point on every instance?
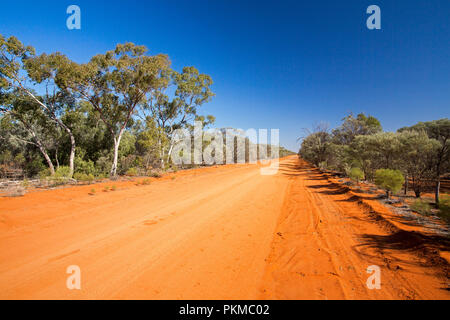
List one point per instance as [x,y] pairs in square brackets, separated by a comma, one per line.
[216,233]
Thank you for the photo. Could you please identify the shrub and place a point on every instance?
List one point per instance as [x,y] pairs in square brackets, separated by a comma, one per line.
[323,166]
[82,166]
[421,207]
[155,174]
[79,176]
[84,177]
[389,180]
[146,182]
[444,208]
[34,167]
[132,172]
[62,172]
[44,174]
[92,191]
[356,174]
[106,188]
[113,188]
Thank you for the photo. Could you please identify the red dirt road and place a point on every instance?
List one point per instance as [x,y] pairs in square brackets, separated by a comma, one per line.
[216,233]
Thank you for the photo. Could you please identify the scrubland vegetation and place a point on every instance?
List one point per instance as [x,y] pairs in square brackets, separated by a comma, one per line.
[415,158]
[114,115]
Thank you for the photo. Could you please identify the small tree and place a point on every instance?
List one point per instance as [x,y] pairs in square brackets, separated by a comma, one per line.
[389,180]
[356,174]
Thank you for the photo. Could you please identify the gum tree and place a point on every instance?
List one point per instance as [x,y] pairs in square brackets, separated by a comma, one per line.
[192,90]
[28,125]
[21,70]
[416,158]
[115,84]
[440,131]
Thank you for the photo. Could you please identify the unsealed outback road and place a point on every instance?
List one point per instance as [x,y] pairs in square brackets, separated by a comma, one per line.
[216,233]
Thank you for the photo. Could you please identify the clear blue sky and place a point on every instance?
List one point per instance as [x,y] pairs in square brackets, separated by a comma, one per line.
[275,64]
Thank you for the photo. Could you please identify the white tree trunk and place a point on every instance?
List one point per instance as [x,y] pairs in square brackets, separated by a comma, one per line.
[47,157]
[72,154]
[116,153]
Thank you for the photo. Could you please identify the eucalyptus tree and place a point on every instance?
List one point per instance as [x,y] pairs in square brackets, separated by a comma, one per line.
[192,90]
[44,70]
[21,71]
[355,126]
[387,149]
[438,130]
[417,157]
[29,125]
[115,84]
[316,147]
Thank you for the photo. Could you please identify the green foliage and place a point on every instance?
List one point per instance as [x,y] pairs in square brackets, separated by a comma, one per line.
[444,208]
[420,152]
[390,180]
[44,174]
[132,172]
[155,174]
[356,126]
[62,172]
[417,157]
[316,148]
[323,165]
[90,116]
[356,174]
[83,177]
[85,167]
[422,207]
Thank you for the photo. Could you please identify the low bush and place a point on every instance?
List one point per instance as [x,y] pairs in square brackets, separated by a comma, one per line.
[62,172]
[444,208]
[132,172]
[86,167]
[83,177]
[422,207]
[155,174]
[356,174]
[389,180]
[44,174]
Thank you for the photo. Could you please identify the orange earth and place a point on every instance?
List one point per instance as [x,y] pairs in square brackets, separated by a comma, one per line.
[216,233]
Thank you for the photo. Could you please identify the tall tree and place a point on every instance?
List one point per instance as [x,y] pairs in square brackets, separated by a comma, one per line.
[416,157]
[19,67]
[355,126]
[44,70]
[440,131]
[192,90]
[116,83]
[29,124]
